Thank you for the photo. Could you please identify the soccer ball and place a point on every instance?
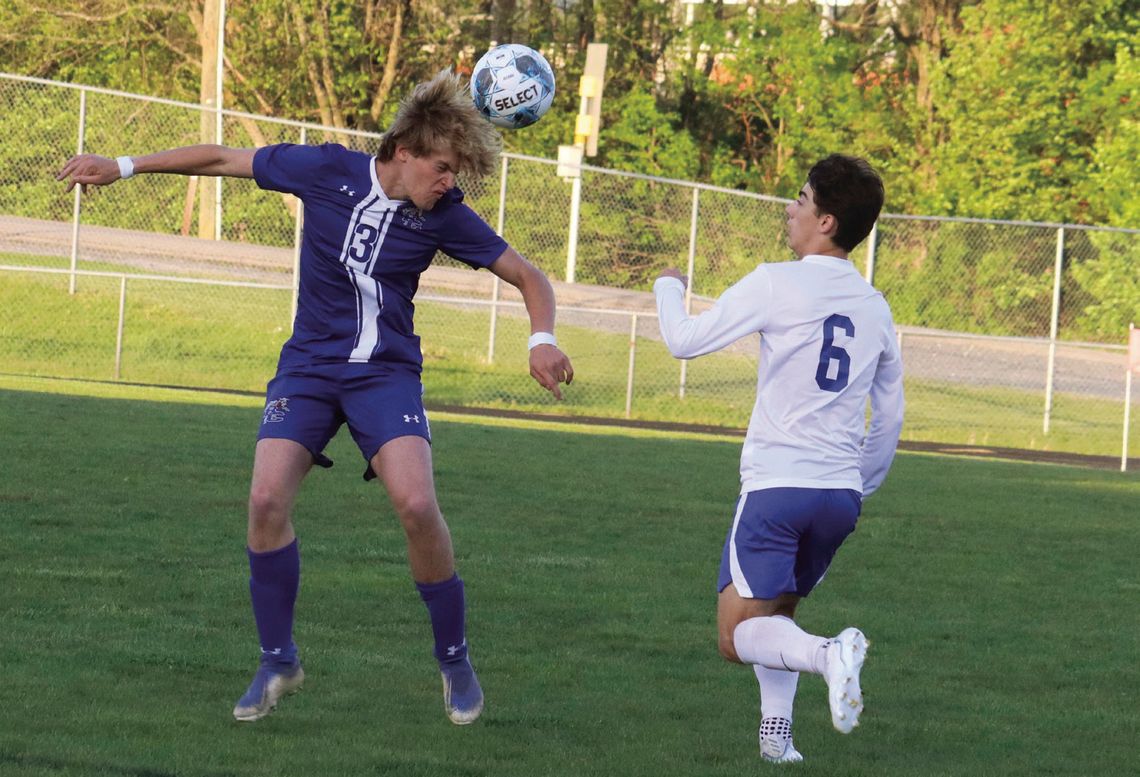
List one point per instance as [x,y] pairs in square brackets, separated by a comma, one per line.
[512,85]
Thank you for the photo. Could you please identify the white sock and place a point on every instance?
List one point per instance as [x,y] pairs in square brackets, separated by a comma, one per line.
[777,691]
[776,642]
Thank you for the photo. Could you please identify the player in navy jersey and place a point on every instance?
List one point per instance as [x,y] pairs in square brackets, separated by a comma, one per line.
[372,224]
[827,343]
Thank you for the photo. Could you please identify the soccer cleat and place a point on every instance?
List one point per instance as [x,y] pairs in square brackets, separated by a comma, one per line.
[776,741]
[462,696]
[778,750]
[845,655]
[269,684]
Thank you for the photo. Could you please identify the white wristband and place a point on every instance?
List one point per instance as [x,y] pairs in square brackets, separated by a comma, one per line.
[541,338]
[126,167]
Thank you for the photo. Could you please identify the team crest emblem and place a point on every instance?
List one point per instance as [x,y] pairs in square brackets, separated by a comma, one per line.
[275,410]
[412,217]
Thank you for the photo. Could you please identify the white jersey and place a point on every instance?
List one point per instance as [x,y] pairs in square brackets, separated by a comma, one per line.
[827,343]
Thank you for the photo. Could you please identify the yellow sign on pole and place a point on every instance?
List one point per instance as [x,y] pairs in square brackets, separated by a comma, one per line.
[590,90]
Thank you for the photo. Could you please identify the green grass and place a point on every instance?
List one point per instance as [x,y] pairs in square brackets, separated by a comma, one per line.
[998,597]
[229,338]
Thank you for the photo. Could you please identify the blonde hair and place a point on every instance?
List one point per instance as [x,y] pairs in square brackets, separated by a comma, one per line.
[439,114]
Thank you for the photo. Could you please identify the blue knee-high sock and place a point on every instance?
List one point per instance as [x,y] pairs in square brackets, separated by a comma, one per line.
[445,604]
[274,577]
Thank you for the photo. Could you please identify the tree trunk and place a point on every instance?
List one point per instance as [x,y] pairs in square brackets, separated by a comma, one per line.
[390,61]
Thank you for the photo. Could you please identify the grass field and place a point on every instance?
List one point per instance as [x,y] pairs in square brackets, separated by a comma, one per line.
[1000,599]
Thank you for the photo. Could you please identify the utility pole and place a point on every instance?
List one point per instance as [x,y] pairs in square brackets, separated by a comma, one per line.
[210,96]
[586,128]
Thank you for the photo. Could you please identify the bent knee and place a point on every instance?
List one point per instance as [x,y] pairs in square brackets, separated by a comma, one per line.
[727,648]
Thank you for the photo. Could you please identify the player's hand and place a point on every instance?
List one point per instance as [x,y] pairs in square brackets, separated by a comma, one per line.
[673,272]
[549,366]
[88,170]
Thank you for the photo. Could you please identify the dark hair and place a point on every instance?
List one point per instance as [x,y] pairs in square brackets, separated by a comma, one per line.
[439,114]
[849,189]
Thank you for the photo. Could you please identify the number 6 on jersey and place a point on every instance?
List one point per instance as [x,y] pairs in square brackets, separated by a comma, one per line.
[832,352]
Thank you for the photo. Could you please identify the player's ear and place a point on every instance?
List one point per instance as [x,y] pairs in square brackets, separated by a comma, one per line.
[828,224]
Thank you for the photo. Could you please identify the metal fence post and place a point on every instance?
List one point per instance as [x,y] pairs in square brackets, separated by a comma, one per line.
[872,243]
[218,132]
[122,320]
[1127,398]
[632,359]
[572,240]
[297,222]
[689,285]
[78,192]
[1053,326]
[495,281]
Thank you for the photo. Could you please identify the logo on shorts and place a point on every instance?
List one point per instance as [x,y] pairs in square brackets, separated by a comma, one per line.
[275,410]
[408,419]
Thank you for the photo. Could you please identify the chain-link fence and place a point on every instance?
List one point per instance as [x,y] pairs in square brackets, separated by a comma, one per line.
[1012,332]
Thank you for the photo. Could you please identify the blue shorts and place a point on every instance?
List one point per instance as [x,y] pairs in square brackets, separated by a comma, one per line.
[782,540]
[310,408]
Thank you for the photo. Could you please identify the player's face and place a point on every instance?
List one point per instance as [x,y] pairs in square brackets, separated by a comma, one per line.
[804,222]
[427,178]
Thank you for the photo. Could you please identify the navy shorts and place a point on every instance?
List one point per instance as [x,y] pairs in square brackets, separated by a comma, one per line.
[310,408]
[782,540]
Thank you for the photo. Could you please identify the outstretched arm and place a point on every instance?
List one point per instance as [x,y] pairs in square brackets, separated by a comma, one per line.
[740,311]
[94,170]
[548,365]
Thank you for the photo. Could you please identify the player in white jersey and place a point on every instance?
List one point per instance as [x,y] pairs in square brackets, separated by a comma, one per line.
[372,225]
[827,343]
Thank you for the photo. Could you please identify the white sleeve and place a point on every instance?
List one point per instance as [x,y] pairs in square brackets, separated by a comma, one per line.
[886,419]
[740,311]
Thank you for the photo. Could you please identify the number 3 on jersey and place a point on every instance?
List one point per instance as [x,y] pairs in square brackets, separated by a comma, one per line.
[363,240]
[832,352]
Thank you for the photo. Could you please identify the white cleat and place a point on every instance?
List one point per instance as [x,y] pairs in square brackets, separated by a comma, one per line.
[779,750]
[845,657]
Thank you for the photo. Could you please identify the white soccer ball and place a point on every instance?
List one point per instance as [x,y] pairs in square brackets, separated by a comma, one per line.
[512,85]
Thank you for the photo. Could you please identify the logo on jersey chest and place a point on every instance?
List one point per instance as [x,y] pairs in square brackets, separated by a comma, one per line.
[412,217]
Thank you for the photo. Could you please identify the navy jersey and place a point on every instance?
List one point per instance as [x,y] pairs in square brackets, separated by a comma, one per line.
[362,254]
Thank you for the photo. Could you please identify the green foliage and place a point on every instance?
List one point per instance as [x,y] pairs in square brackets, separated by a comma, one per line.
[51,116]
[1110,191]
[119,44]
[1024,97]
[988,279]
[783,93]
[644,139]
[1111,282]
[1003,109]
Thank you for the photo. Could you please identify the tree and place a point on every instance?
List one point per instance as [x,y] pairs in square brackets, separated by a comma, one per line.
[1023,99]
